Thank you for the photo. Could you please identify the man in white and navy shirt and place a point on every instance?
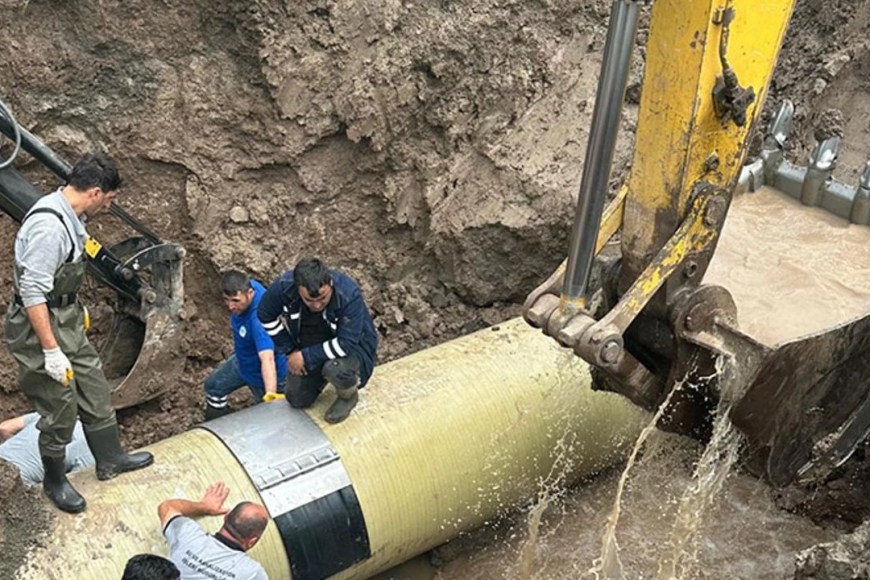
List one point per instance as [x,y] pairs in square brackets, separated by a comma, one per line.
[19,445]
[221,556]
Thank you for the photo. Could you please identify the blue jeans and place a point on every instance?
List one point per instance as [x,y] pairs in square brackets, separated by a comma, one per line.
[224,380]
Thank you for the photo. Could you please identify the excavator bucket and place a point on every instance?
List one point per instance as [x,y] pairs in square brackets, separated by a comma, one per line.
[145,337]
[800,281]
[133,350]
[794,260]
[144,272]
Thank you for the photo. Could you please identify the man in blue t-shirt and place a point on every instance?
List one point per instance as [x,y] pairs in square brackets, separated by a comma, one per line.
[254,361]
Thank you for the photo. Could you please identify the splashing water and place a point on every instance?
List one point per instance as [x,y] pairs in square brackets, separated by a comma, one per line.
[549,489]
[609,566]
[709,475]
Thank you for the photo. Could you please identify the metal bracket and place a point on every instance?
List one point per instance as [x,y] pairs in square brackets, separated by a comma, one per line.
[600,342]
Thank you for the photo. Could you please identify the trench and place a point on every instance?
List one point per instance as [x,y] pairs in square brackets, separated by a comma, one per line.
[489,97]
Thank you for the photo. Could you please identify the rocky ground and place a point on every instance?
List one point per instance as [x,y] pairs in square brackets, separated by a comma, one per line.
[431,150]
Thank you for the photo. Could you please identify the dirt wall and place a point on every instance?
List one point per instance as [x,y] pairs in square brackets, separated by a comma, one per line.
[432,150]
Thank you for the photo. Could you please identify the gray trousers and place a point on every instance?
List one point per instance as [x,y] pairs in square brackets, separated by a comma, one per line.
[302,390]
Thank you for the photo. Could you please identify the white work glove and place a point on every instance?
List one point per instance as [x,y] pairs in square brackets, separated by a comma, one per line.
[58,366]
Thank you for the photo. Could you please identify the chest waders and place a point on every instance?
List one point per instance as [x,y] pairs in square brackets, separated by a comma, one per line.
[88,395]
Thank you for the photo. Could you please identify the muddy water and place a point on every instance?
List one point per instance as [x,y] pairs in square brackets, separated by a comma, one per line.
[742,534]
[660,534]
[792,270]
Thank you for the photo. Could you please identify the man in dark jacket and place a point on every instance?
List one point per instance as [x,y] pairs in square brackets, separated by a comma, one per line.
[319,318]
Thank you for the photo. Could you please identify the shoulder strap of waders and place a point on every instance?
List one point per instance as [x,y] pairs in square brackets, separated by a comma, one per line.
[57,214]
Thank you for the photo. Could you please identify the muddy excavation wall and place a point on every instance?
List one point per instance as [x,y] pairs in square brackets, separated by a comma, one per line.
[430,149]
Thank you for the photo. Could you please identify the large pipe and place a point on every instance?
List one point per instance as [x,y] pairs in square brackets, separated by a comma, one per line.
[441,441]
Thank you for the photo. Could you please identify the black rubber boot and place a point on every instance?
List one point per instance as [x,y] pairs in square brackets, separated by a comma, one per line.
[105,444]
[343,405]
[58,488]
[215,412]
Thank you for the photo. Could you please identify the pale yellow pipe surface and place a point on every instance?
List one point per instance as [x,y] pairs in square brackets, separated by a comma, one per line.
[121,518]
[441,441]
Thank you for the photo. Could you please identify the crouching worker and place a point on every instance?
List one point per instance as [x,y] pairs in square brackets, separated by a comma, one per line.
[327,332]
[58,369]
[254,361]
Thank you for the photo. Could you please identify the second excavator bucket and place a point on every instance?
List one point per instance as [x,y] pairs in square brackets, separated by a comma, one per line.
[133,350]
[144,272]
[147,336]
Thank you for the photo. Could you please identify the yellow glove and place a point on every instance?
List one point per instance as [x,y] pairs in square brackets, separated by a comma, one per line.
[87,318]
[269,397]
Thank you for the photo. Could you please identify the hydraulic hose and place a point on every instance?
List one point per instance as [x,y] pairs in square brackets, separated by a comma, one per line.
[6,112]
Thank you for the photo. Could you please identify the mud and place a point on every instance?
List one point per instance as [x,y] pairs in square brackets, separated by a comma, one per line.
[830,124]
[844,559]
[23,519]
[431,150]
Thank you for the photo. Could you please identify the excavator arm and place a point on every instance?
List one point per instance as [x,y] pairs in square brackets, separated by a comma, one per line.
[144,272]
[641,310]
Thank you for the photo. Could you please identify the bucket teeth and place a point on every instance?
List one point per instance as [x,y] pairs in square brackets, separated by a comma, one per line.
[813,184]
[824,155]
[822,161]
[860,213]
[864,180]
[780,126]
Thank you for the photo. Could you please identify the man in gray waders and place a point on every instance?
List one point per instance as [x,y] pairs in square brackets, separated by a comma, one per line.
[59,371]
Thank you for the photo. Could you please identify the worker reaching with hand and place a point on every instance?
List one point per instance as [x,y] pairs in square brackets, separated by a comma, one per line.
[219,556]
[254,362]
[319,318]
[59,371]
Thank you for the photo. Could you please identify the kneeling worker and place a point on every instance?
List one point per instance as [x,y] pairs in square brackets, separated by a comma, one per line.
[58,369]
[329,335]
[254,361]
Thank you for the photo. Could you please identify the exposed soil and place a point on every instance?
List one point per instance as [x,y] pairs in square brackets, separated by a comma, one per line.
[23,520]
[431,150]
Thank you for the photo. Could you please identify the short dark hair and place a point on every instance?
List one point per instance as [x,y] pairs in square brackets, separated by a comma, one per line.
[95,170]
[245,523]
[150,567]
[312,274]
[233,282]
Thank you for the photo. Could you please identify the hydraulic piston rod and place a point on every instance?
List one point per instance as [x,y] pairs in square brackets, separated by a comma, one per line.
[599,149]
